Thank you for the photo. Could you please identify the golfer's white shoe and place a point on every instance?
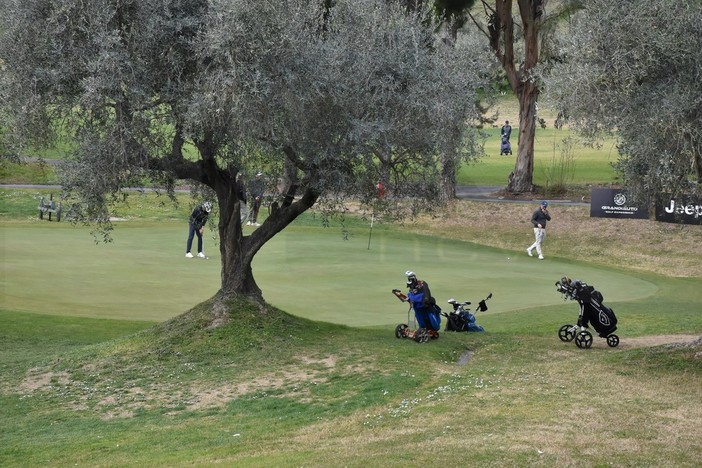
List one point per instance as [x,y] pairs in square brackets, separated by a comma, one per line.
[201,255]
[529,252]
[248,223]
[541,257]
[189,255]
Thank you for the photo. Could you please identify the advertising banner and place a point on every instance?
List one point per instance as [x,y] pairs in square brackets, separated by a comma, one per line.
[683,209]
[613,203]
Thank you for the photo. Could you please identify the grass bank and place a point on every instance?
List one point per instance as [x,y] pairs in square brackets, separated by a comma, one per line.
[284,391]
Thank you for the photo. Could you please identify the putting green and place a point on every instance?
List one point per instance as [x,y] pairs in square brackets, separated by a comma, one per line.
[318,275]
[57,268]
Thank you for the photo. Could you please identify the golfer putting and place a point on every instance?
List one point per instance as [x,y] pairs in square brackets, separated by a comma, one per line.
[539,219]
[196,226]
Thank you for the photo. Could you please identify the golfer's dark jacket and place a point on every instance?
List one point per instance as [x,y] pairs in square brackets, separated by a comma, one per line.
[256,188]
[539,217]
[506,131]
[199,217]
[421,298]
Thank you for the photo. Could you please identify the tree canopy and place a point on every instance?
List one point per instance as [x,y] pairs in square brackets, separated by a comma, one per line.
[635,68]
[327,100]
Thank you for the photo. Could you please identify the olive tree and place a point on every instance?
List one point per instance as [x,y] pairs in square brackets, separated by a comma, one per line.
[634,68]
[327,97]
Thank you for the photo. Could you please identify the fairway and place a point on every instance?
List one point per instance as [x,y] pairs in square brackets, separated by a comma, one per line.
[312,272]
[592,164]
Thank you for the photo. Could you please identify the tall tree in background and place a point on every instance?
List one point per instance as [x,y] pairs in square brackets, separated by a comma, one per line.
[518,46]
[635,68]
[325,100]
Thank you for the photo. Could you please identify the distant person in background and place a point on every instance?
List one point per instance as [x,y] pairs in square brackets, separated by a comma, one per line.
[380,188]
[197,222]
[539,219]
[506,131]
[256,189]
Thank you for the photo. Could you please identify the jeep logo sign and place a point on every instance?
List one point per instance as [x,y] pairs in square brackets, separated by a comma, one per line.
[680,209]
[614,203]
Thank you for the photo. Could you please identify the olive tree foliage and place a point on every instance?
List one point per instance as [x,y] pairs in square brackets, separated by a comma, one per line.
[635,68]
[325,100]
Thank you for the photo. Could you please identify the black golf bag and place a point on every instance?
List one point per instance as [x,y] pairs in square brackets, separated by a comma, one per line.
[462,322]
[460,319]
[592,312]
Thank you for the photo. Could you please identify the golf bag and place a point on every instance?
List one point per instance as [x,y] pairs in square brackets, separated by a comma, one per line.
[426,312]
[595,313]
[428,320]
[505,146]
[460,319]
[592,312]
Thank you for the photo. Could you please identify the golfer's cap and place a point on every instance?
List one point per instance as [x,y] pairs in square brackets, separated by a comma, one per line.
[409,273]
[259,173]
[544,203]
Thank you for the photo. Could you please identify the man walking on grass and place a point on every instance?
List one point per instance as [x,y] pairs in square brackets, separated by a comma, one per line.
[539,219]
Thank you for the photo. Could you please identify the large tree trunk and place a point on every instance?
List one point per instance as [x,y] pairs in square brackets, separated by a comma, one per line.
[448,179]
[524,86]
[521,179]
[238,251]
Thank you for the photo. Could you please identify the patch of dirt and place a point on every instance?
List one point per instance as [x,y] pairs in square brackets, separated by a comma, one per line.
[659,340]
[37,379]
[575,193]
[220,313]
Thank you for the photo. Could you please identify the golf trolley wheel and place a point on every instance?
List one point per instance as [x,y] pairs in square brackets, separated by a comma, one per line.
[421,335]
[566,333]
[401,331]
[613,341]
[583,339]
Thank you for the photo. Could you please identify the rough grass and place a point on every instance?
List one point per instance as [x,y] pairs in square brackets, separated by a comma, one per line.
[283,391]
[640,245]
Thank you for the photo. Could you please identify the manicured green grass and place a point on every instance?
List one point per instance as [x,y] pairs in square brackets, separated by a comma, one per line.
[27,173]
[57,268]
[593,165]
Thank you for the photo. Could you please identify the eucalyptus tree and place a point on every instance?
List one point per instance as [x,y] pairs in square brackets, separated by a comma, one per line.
[327,99]
[520,35]
[635,68]
[520,43]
